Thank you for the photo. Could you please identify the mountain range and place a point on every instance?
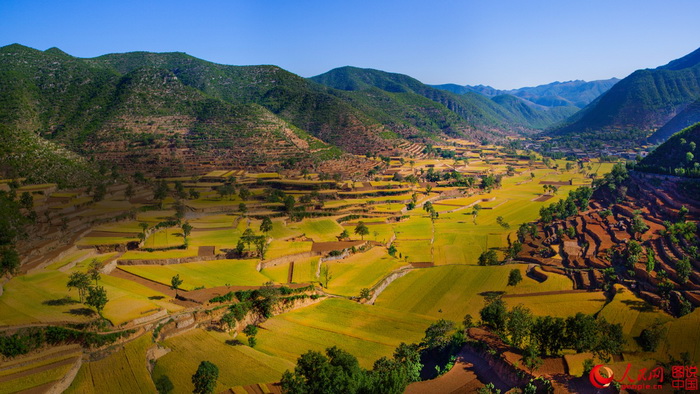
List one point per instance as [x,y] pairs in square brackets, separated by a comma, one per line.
[177,113]
[640,104]
[556,94]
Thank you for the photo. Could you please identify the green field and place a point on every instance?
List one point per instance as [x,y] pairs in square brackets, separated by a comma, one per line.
[304,271]
[450,292]
[360,270]
[205,273]
[238,364]
[368,332]
[319,230]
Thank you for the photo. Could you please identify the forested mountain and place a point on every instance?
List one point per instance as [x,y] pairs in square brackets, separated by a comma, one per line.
[640,103]
[556,94]
[679,155]
[406,94]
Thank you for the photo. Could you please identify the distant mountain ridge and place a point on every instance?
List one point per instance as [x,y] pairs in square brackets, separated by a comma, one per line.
[473,109]
[556,94]
[640,103]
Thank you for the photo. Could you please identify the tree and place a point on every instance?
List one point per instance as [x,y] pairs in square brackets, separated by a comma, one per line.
[144,227]
[639,227]
[513,250]
[651,336]
[651,260]
[494,313]
[488,257]
[549,333]
[164,385]
[519,322]
[365,294]
[502,222]
[489,388]
[514,277]
[9,260]
[244,193]
[186,230]
[683,213]
[204,379]
[683,269]
[161,192]
[80,281]
[438,334]
[248,237]
[96,298]
[251,331]
[266,225]
[427,206]
[344,235]
[433,214]
[194,194]
[326,275]
[261,246]
[289,203]
[242,208]
[582,331]
[94,270]
[175,283]
[26,201]
[475,211]
[531,358]
[361,230]
[392,250]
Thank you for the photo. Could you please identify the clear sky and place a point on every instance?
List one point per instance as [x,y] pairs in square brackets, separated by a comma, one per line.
[502,43]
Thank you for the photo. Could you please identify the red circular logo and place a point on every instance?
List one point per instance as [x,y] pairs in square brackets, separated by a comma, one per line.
[598,380]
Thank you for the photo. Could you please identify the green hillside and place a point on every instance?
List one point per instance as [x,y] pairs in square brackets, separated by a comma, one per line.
[405,94]
[679,155]
[640,103]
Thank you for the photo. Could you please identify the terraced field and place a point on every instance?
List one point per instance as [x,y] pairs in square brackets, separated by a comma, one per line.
[366,331]
[450,292]
[205,273]
[122,372]
[238,364]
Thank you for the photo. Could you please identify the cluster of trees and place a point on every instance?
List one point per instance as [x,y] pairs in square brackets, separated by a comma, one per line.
[260,242]
[92,296]
[339,371]
[546,335]
[12,227]
[575,202]
[27,339]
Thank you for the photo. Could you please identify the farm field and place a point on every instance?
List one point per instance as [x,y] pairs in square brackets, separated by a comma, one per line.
[206,273]
[238,364]
[451,292]
[368,332]
[438,256]
[360,271]
[121,372]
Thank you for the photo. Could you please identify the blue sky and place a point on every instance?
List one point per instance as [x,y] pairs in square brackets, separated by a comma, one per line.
[502,43]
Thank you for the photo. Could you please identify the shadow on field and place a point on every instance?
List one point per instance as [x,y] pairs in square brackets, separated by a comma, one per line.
[81,312]
[61,301]
[234,342]
[639,306]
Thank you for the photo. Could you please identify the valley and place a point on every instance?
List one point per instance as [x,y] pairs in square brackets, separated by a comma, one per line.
[164,217]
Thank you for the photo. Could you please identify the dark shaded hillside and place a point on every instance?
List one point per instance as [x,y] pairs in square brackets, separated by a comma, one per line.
[640,103]
[679,155]
[688,117]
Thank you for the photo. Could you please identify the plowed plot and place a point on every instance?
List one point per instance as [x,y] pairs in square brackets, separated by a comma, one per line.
[543,198]
[368,332]
[450,292]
